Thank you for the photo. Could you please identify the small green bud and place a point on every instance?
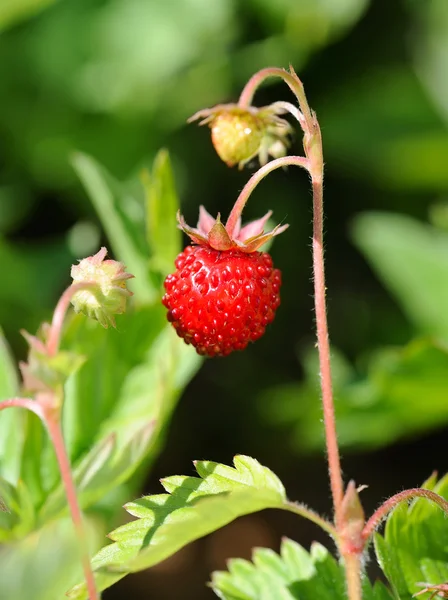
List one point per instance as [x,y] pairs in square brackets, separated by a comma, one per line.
[105,292]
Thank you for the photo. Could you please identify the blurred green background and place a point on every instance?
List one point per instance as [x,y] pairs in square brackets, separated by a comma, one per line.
[117,79]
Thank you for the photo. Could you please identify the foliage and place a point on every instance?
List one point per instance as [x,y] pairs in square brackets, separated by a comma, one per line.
[119,400]
[295,574]
[414,550]
[191,508]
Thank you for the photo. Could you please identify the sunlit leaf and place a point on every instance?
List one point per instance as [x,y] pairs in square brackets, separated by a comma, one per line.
[192,508]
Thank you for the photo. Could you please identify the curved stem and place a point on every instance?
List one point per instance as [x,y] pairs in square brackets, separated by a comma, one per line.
[392,502]
[314,164]
[26,403]
[290,79]
[53,426]
[303,511]
[299,161]
[60,311]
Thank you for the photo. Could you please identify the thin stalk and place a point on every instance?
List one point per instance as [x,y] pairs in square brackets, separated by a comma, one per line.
[290,79]
[392,502]
[60,311]
[352,564]
[303,511]
[323,344]
[26,403]
[247,190]
[334,465]
[314,164]
[312,143]
[53,426]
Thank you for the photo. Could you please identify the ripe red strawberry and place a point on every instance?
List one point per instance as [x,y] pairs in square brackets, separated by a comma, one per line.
[224,291]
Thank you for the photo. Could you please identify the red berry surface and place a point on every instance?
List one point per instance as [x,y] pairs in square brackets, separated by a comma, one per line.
[219,301]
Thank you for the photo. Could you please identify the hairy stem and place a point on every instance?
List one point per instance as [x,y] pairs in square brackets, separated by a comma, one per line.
[52,423]
[352,564]
[314,164]
[290,79]
[312,143]
[54,337]
[303,511]
[334,462]
[391,503]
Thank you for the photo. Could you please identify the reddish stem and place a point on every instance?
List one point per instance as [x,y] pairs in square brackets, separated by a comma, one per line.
[392,502]
[247,190]
[26,403]
[55,432]
[314,163]
[54,337]
[323,343]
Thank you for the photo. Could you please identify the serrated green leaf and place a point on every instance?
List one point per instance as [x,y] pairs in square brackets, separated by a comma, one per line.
[162,203]
[194,508]
[295,574]
[412,260]
[122,218]
[414,547]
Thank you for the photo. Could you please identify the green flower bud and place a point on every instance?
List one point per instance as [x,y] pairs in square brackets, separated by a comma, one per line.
[105,291]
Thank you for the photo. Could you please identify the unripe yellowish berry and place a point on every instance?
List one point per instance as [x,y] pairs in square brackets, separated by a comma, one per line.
[237,136]
[105,291]
[240,134]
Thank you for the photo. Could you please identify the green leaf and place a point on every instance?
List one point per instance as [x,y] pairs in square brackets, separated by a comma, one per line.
[414,546]
[192,508]
[375,406]
[122,217]
[162,203]
[295,574]
[412,260]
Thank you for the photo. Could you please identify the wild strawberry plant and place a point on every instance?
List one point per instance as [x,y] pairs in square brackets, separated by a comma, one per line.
[223,293]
